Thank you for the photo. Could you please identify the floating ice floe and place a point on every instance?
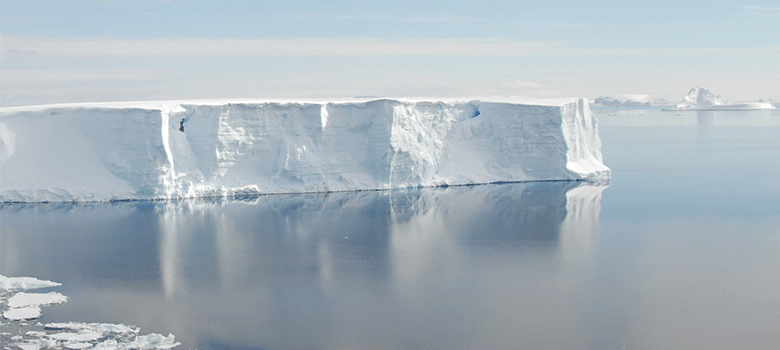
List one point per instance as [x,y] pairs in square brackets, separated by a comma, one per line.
[27,306]
[83,335]
[22,299]
[97,327]
[20,306]
[153,341]
[22,313]
[15,284]
[77,346]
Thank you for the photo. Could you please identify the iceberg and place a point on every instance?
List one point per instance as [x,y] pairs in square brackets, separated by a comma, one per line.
[630,100]
[701,99]
[186,149]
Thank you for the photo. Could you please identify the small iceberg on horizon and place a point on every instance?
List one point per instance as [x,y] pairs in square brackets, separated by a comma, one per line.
[701,99]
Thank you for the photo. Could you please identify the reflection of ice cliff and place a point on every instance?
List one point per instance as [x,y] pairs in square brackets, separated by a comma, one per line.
[319,268]
[397,233]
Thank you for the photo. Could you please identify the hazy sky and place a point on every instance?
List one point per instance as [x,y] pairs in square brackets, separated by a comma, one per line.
[79,51]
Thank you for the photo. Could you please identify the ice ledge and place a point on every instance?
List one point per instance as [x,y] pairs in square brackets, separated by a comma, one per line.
[177,149]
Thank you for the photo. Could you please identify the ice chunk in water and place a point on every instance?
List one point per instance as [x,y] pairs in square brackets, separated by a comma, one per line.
[13,284]
[35,299]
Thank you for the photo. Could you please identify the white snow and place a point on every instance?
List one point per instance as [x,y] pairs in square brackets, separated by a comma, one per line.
[35,299]
[13,284]
[77,345]
[96,327]
[23,313]
[153,341]
[82,336]
[28,346]
[26,306]
[699,98]
[135,150]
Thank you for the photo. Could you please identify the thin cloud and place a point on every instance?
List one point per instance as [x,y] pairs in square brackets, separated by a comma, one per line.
[759,11]
[20,19]
[570,25]
[52,75]
[525,85]
[442,18]
[437,19]
[328,16]
[207,47]
[303,47]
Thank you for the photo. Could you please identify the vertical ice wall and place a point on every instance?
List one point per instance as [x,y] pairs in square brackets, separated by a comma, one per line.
[164,150]
[72,154]
[582,139]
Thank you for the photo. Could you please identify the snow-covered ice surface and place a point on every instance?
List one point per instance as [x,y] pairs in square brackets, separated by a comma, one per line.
[701,99]
[23,299]
[18,306]
[26,306]
[158,150]
[15,284]
[22,313]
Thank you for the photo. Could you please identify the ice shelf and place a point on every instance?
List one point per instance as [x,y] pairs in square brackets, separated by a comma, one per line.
[183,149]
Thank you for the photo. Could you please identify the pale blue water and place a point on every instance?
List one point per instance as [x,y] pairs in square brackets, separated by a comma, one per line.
[682,250]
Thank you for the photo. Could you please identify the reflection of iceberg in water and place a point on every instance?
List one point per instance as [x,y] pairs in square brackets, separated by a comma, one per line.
[390,234]
[583,206]
[514,224]
[474,266]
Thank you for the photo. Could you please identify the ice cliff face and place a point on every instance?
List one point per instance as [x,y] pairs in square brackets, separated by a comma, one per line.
[151,150]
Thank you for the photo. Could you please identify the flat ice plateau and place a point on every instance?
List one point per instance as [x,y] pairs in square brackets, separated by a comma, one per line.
[185,149]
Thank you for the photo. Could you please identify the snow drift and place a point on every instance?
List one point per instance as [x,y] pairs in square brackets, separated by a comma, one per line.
[154,150]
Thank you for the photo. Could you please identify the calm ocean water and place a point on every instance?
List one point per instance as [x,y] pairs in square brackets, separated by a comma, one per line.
[681,250]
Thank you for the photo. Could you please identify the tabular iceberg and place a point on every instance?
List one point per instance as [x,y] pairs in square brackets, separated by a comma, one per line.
[156,150]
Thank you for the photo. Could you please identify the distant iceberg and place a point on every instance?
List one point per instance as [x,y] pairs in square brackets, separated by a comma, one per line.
[630,100]
[185,149]
[701,99]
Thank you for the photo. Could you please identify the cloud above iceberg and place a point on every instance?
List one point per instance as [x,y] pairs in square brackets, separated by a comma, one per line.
[358,46]
[211,47]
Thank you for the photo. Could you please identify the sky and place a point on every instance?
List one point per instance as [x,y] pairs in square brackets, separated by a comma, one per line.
[98,51]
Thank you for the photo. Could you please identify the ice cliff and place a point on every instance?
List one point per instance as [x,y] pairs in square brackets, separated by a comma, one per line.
[154,150]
